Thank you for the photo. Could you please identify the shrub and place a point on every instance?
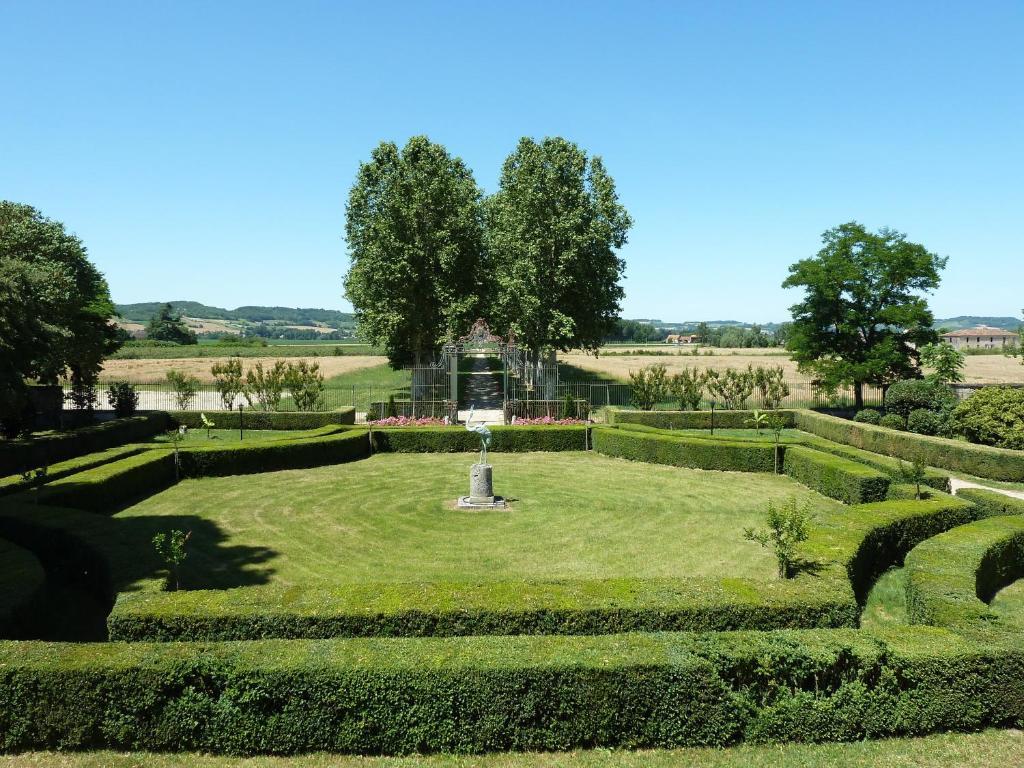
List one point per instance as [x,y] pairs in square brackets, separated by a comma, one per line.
[992,503]
[681,451]
[787,528]
[925,422]
[946,361]
[228,381]
[991,416]
[271,456]
[263,388]
[184,386]
[283,420]
[955,455]
[648,386]
[893,421]
[456,439]
[568,407]
[305,383]
[911,394]
[771,385]
[687,387]
[391,410]
[123,398]
[834,476]
[171,549]
[868,416]
[109,487]
[731,387]
[690,419]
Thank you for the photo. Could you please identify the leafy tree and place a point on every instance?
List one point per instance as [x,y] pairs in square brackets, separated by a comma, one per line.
[771,385]
[263,388]
[123,398]
[788,525]
[184,386]
[553,228]
[165,325]
[55,309]
[861,317]
[687,387]
[945,361]
[912,394]
[648,386]
[731,387]
[305,383]
[228,381]
[913,474]
[171,549]
[414,226]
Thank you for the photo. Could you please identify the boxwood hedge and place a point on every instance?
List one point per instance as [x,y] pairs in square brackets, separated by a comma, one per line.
[834,476]
[992,503]
[950,578]
[273,455]
[15,483]
[19,455]
[109,487]
[456,439]
[954,455]
[22,587]
[684,451]
[690,419]
[296,420]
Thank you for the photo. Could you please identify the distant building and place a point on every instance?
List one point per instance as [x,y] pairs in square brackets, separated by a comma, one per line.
[679,339]
[981,337]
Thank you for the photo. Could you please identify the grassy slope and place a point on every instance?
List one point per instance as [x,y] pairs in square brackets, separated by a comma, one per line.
[977,750]
[389,518]
[1009,603]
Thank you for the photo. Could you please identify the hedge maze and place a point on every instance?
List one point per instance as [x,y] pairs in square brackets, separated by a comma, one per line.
[473,666]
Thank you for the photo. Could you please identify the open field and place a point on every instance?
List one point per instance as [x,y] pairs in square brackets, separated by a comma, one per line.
[980,369]
[390,518]
[1003,748]
[155,371]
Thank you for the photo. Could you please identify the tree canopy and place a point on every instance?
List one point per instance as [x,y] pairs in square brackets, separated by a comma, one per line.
[863,316]
[55,307]
[553,228]
[415,235]
[166,325]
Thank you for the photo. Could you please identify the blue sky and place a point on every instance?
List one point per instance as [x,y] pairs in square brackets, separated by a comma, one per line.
[205,150]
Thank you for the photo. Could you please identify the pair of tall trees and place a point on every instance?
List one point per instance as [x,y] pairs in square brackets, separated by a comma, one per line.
[55,308]
[429,253]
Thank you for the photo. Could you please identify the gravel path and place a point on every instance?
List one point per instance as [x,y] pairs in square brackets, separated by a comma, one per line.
[956,485]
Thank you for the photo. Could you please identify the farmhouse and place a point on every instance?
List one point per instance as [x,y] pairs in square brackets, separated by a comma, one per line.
[676,338]
[981,337]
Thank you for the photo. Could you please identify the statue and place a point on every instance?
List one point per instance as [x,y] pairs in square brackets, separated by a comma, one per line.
[483,431]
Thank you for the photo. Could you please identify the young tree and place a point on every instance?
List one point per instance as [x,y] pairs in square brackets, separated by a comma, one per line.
[166,325]
[945,361]
[553,228]
[55,308]
[861,317]
[415,236]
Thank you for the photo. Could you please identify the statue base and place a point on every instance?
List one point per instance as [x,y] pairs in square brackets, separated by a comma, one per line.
[481,490]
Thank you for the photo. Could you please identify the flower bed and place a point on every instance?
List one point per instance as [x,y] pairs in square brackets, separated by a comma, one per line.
[547,420]
[408,421]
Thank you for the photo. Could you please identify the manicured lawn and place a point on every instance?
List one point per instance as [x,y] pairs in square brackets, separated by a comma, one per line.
[887,601]
[391,518]
[975,750]
[218,436]
[1009,603]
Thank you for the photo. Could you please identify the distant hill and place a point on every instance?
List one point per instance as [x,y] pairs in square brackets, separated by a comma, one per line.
[142,312]
[971,321]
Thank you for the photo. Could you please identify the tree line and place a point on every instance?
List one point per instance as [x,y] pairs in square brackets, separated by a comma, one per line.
[430,253]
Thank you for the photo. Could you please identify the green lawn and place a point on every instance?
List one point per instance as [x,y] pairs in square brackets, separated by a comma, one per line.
[976,750]
[198,436]
[364,385]
[1009,603]
[887,601]
[391,518]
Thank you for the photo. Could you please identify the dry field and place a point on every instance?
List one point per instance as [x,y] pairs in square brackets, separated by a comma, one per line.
[155,371]
[979,369]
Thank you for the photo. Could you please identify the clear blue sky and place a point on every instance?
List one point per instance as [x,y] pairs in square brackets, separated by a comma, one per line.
[204,150]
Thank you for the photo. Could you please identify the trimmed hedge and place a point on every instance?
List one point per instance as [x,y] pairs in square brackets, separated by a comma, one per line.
[501,608]
[848,481]
[992,503]
[456,439]
[22,584]
[484,694]
[950,578]
[295,420]
[19,455]
[110,487]
[955,455]
[690,419]
[682,451]
[15,483]
[273,455]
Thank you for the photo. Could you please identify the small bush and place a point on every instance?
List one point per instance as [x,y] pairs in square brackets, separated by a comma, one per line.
[264,387]
[123,398]
[305,383]
[732,388]
[925,422]
[991,416]
[687,387]
[868,416]
[648,386]
[184,386]
[892,421]
[228,381]
[788,526]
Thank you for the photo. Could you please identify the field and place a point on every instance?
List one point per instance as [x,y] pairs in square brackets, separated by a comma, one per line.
[155,371]
[974,750]
[390,518]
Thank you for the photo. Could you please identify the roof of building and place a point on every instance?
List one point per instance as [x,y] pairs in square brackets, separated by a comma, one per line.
[981,330]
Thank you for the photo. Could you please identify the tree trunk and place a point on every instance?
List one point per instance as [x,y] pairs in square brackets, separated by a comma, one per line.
[858,394]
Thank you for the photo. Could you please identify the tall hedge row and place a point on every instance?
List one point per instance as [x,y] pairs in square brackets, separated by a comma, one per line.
[20,455]
[951,577]
[109,487]
[690,419]
[297,420]
[273,455]
[681,451]
[954,455]
[16,483]
[484,694]
[456,439]
[834,476]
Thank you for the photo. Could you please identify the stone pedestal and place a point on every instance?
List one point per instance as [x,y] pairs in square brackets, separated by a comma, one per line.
[481,486]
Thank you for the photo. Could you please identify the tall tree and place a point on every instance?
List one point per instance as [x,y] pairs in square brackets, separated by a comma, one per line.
[415,235]
[553,228]
[55,307]
[166,325]
[862,317]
